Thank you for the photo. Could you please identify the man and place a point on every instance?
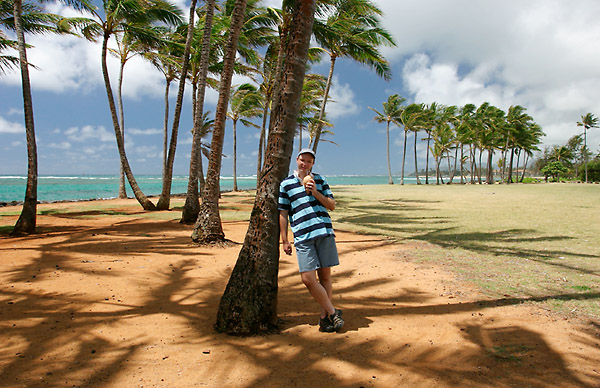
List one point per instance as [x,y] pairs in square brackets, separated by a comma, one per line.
[304,199]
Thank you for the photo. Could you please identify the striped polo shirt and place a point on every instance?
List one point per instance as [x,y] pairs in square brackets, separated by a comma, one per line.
[308,218]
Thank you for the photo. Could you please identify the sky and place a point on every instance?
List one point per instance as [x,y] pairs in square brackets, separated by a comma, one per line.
[541,54]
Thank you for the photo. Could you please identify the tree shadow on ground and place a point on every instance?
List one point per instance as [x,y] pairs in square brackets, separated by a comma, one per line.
[59,339]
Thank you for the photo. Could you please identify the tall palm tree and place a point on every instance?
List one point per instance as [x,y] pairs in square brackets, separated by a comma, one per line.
[164,199]
[517,123]
[22,18]
[208,226]
[312,92]
[128,47]
[391,113]
[412,119]
[353,30]
[249,304]
[191,207]
[117,17]
[244,104]
[587,121]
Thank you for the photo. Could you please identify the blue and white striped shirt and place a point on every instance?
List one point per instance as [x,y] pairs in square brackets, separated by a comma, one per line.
[308,218]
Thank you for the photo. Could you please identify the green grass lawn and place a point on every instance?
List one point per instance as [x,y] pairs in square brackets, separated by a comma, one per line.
[535,242]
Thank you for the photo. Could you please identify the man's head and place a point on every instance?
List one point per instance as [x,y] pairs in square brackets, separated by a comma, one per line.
[305,159]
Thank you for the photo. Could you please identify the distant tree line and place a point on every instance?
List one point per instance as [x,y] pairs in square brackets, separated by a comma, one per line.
[573,160]
[465,138]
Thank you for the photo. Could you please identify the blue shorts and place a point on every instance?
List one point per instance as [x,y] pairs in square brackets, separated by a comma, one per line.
[317,253]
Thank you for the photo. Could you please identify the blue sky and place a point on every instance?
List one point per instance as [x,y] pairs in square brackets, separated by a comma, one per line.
[541,54]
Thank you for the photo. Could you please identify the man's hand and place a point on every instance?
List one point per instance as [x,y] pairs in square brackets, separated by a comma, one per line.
[287,247]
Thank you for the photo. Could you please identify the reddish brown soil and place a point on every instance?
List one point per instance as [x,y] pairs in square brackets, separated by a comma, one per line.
[124,300]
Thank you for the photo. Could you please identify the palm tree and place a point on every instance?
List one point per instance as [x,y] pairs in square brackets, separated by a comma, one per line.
[412,119]
[391,113]
[517,125]
[118,17]
[353,30]
[208,226]
[249,304]
[164,200]
[310,103]
[244,104]
[191,207]
[28,17]
[587,121]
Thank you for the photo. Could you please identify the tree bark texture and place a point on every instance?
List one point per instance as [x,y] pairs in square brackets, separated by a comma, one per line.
[191,208]
[208,226]
[137,192]
[164,201]
[249,304]
[27,220]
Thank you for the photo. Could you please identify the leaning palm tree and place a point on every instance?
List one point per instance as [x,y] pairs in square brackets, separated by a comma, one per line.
[249,303]
[244,104]
[391,113]
[29,18]
[587,121]
[412,120]
[126,16]
[353,30]
[208,227]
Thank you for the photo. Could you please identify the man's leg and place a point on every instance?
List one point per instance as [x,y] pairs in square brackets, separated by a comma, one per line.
[321,294]
[325,281]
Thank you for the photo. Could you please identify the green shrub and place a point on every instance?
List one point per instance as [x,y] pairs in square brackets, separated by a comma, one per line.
[593,171]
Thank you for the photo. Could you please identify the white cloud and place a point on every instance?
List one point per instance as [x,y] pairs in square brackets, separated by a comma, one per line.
[343,97]
[61,146]
[89,132]
[149,131]
[10,127]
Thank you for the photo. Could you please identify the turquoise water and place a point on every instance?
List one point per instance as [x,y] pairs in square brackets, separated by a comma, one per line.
[57,188]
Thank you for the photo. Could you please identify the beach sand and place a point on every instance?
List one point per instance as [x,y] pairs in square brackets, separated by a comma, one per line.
[117,297]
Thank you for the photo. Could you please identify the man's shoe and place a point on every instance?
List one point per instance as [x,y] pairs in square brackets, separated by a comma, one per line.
[325,325]
[336,320]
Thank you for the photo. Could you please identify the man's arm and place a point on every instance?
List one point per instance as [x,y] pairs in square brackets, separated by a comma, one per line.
[283,231]
[328,202]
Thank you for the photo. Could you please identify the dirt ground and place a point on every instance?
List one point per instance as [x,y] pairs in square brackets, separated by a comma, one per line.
[119,299]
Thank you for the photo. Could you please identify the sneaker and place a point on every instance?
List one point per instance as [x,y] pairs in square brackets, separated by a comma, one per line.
[336,320]
[325,325]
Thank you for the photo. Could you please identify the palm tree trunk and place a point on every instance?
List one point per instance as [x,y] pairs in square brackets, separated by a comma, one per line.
[137,192]
[191,208]
[249,304]
[122,190]
[427,160]
[585,157]
[480,165]
[261,140]
[208,226]
[510,166]
[403,158]
[235,187]
[416,168]
[164,200]
[27,220]
[390,179]
[490,168]
[166,130]
[317,137]
[524,167]
[450,173]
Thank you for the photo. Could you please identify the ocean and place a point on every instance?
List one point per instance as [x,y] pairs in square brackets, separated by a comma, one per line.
[76,188]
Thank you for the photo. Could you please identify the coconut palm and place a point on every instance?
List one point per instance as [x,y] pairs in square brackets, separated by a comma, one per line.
[587,121]
[353,30]
[208,226]
[312,92]
[28,18]
[413,119]
[517,125]
[191,207]
[249,304]
[119,17]
[244,104]
[391,113]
